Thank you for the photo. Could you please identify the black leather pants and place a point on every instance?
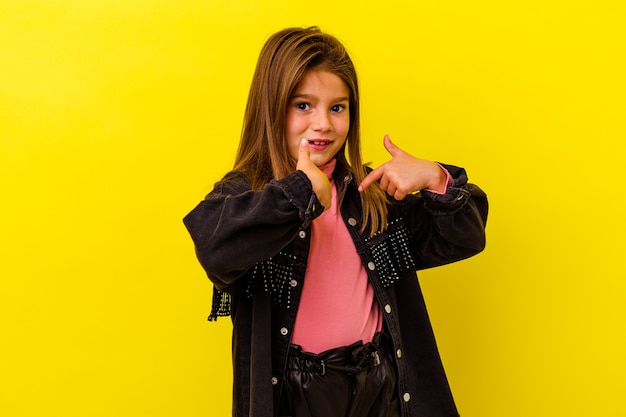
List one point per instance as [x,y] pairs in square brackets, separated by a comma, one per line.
[352,381]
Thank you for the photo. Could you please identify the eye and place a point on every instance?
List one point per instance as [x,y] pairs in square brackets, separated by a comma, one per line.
[338,108]
[302,106]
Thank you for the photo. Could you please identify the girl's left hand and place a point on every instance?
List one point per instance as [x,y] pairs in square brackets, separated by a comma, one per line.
[405,174]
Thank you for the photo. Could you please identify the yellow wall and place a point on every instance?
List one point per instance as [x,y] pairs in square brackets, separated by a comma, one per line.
[116,116]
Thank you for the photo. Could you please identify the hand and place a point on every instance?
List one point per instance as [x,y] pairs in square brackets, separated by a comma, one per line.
[319,180]
[404,174]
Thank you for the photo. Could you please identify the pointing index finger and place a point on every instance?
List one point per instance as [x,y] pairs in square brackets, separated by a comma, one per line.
[372,177]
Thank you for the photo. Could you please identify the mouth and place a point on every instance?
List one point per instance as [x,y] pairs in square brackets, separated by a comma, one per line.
[319,144]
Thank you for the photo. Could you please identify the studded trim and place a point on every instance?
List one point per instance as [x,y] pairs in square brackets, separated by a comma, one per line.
[274,277]
[391,252]
[221,304]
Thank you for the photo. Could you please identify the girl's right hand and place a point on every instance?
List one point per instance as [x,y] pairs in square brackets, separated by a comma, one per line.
[319,180]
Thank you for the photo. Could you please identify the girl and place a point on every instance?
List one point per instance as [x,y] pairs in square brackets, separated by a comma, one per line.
[314,255]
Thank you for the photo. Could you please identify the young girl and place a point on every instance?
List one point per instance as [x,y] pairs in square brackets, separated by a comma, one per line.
[314,255]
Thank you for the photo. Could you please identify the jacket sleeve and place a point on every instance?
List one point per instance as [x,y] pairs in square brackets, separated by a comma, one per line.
[447,227]
[235,227]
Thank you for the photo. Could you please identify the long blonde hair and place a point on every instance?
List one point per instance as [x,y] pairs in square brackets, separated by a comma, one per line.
[283,62]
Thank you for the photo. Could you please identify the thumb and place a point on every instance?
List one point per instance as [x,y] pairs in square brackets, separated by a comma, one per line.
[390,146]
[304,152]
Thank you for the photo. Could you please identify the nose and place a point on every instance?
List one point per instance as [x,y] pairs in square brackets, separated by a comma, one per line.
[321,121]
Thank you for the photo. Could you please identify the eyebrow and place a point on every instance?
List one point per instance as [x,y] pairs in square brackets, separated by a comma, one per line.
[309,96]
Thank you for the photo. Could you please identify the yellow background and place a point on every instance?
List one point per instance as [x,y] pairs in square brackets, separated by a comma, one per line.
[116,116]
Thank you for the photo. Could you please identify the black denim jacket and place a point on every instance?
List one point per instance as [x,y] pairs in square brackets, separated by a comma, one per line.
[254,247]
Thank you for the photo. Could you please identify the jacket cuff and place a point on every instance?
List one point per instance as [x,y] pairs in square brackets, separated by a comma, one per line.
[455,197]
[297,187]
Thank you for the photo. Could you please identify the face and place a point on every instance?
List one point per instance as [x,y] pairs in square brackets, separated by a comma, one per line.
[318,111]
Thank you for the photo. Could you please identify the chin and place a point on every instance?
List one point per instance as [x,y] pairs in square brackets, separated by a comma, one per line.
[320,161]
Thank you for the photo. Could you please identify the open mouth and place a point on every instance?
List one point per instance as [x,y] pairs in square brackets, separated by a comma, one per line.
[319,143]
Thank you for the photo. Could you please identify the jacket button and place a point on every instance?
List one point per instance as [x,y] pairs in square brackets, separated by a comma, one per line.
[352,221]
[371,266]
[399,353]
[406,397]
[293,283]
[302,234]
[274,380]
[284,331]
[388,308]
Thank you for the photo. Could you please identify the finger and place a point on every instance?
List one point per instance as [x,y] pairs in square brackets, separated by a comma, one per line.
[304,155]
[304,152]
[384,184]
[372,177]
[399,195]
[390,146]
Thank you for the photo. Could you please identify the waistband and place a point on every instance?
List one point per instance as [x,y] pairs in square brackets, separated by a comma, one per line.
[352,359]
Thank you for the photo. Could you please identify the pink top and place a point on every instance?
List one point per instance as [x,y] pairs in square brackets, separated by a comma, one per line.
[338,306]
